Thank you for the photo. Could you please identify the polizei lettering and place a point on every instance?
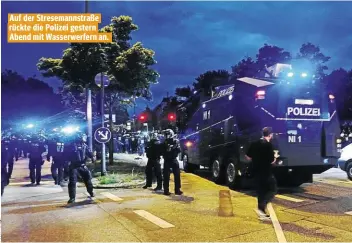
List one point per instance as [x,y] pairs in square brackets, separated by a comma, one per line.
[224,92]
[301,111]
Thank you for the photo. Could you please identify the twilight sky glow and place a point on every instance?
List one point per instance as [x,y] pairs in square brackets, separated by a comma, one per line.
[190,38]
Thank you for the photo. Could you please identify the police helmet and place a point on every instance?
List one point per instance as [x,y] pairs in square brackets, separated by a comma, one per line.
[154,136]
[80,137]
[169,133]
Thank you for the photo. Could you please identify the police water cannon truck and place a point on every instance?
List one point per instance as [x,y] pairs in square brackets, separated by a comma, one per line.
[303,116]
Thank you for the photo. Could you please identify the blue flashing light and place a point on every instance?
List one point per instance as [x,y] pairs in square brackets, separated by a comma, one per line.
[30,126]
[70,129]
[303,75]
[290,74]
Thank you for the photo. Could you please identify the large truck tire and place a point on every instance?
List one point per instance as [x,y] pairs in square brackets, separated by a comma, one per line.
[349,169]
[217,171]
[233,179]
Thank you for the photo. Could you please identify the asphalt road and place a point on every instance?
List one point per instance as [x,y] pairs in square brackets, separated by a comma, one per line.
[316,212]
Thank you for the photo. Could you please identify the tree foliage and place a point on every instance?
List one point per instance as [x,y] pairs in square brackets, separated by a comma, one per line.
[315,57]
[22,98]
[211,79]
[245,68]
[339,82]
[127,66]
[183,92]
[269,55]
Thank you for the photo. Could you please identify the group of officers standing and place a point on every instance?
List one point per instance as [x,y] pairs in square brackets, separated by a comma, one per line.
[169,149]
[68,156]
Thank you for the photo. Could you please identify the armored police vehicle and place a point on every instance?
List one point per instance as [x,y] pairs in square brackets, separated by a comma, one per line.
[303,116]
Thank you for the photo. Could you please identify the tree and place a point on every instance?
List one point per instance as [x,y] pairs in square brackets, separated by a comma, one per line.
[245,68]
[270,55]
[183,92]
[315,57]
[127,66]
[121,114]
[211,79]
[26,98]
[267,56]
[339,82]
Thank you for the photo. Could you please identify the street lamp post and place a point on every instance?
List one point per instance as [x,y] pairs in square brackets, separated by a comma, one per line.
[103,158]
[89,103]
[102,81]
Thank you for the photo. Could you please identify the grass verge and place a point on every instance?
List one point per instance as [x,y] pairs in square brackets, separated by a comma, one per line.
[118,174]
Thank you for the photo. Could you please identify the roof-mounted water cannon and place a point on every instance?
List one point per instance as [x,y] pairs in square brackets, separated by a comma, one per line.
[276,70]
[288,71]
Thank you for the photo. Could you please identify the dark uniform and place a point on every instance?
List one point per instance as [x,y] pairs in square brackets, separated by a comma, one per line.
[262,154]
[170,150]
[78,153]
[15,146]
[153,155]
[56,151]
[9,161]
[36,161]
[6,155]
[26,147]
[20,147]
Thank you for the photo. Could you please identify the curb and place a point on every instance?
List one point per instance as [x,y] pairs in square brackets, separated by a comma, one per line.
[118,187]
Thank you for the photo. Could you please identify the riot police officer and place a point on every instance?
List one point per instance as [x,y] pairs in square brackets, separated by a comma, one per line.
[56,151]
[36,161]
[9,160]
[170,151]
[153,155]
[77,153]
[15,146]
[6,154]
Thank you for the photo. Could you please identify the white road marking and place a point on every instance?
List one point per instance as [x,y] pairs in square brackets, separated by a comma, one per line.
[289,198]
[349,213]
[277,227]
[111,196]
[152,218]
[27,183]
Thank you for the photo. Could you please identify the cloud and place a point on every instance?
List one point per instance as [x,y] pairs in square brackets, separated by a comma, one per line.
[190,38]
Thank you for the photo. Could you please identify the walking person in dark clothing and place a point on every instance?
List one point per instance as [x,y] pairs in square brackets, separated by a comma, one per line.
[153,155]
[56,151]
[5,155]
[36,161]
[9,161]
[78,153]
[170,150]
[261,153]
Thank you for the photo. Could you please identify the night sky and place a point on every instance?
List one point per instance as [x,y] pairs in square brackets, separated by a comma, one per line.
[190,38]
